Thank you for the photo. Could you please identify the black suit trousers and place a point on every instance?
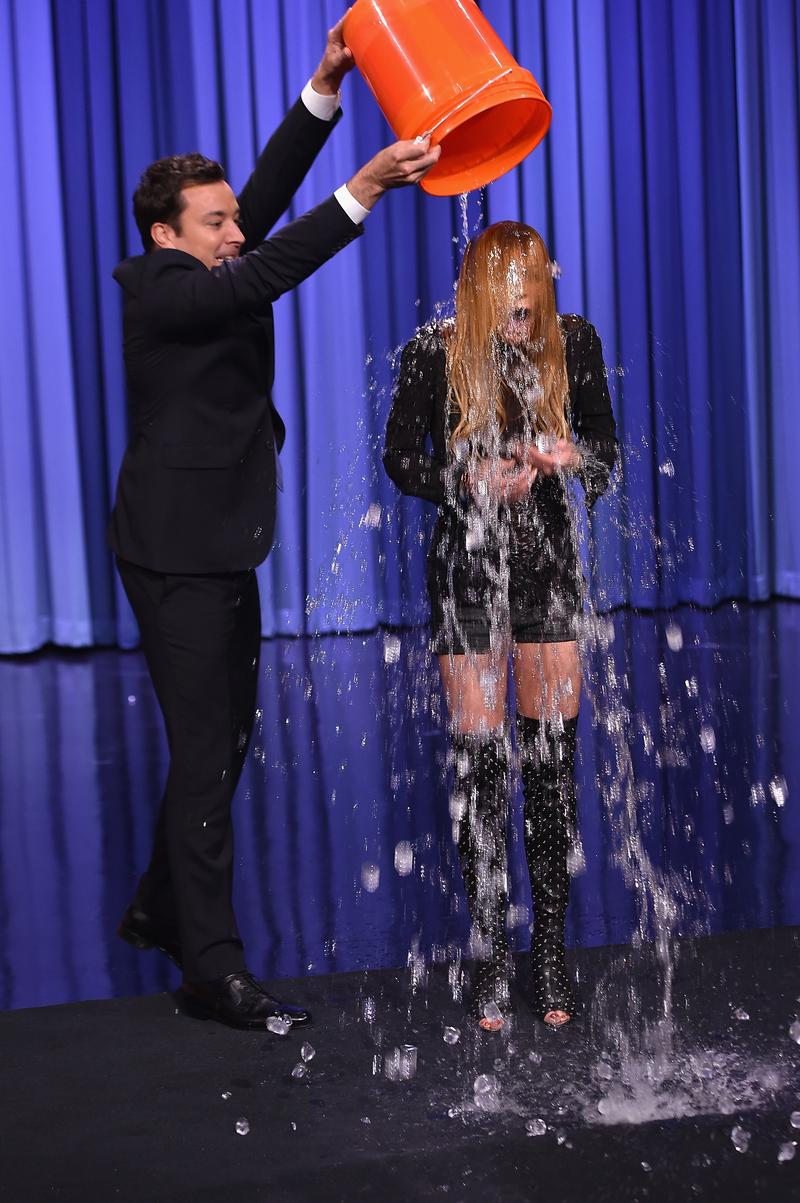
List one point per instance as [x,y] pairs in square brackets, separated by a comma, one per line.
[201,639]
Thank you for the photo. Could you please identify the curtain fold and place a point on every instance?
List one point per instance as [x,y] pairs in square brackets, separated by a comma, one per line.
[667,189]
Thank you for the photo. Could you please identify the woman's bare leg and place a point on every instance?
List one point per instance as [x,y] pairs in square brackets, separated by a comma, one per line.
[547,679]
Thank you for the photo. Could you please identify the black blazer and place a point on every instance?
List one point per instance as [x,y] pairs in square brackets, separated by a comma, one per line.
[196,490]
[421,412]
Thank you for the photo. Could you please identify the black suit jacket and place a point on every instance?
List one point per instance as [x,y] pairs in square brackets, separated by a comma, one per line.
[196,490]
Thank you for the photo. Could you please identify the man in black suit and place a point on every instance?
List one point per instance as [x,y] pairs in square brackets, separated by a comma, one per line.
[195,505]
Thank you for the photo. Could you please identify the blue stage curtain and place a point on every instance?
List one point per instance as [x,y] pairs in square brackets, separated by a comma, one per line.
[667,189]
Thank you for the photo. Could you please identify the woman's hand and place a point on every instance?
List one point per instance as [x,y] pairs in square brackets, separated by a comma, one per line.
[497,479]
[563,456]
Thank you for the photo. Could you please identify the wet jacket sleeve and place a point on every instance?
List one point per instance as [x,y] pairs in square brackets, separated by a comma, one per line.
[182,300]
[414,409]
[592,416]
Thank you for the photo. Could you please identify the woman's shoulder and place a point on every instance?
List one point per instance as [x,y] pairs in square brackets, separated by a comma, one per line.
[577,329]
[428,341]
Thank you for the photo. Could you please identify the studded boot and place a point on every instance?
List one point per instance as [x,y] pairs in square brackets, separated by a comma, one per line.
[547,761]
[480,809]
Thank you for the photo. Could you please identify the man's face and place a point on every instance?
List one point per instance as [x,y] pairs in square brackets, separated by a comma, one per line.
[208,225]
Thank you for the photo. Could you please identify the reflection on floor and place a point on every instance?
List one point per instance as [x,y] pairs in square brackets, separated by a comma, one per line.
[345,857]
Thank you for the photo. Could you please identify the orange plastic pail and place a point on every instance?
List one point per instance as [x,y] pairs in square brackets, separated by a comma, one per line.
[437,67]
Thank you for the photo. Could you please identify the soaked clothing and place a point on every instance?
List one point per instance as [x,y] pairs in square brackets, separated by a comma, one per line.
[497,570]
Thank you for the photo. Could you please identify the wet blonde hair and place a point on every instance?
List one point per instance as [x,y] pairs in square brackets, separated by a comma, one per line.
[496,263]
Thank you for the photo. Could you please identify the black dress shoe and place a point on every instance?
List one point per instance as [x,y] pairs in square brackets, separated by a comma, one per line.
[136,927]
[240,1001]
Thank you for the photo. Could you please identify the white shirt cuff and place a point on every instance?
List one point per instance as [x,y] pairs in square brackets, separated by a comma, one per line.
[353,208]
[323,107]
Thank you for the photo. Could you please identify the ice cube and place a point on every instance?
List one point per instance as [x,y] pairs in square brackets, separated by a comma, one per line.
[391,649]
[787,1150]
[308,1052]
[370,877]
[740,1139]
[708,739]
[674,636]
[299,1071]
[740,1013]
[536,1127]
[451,1035]
[794,1031]
[403,858]
[242,1126]
[277,1025]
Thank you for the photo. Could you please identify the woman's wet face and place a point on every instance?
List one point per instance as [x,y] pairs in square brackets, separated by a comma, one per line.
[518,303]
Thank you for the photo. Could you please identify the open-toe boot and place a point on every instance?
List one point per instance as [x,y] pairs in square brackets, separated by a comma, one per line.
[480,809]
[547,761]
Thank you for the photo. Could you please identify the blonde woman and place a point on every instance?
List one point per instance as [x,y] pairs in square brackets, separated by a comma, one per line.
[492,411]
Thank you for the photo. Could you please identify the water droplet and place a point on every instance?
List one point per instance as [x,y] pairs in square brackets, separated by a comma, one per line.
[453,1112]
[667,468]
[131,699]
[740,1013]
[647,1167]
[368,1010]
[308,1052]
[451,1035]
[708,740]
[740,1139]
[370,877]
[779,790]
[535,1057]
[536,1127]
[277,1025]
[226,1094]
[365,1119]
[242,1126]
[787,1150]
[403,858]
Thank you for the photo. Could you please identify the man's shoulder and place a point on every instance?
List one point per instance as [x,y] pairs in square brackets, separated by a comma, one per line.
[142,271]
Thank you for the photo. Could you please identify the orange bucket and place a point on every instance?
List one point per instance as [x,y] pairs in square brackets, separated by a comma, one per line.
[436,67]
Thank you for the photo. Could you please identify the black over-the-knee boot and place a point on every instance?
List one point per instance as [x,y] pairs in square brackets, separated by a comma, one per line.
[480,812]
[547,761]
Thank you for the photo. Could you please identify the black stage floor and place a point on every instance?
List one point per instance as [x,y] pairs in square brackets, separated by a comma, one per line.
[126,1099]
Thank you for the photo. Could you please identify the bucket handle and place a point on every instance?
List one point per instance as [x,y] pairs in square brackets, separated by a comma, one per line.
[462,103]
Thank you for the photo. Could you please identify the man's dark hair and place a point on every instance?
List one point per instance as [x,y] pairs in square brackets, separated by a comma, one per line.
[158,197]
